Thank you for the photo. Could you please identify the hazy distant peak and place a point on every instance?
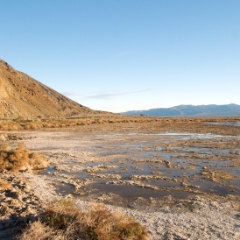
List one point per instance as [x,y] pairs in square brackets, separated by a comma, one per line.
[191,110]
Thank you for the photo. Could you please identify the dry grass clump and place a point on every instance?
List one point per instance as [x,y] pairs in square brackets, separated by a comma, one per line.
[20,159]
[23,124]
[63,220]
[40,231]
[197,125]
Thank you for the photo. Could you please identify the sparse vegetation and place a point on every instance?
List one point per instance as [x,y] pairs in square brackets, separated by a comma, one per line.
[40,231]
[63,220]
[196,125]
[20,159]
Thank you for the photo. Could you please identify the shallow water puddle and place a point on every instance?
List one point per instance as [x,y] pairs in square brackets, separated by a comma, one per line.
[149,165]
[232,124]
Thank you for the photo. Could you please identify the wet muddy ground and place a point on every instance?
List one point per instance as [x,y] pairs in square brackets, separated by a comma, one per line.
[178,176]
[128,164]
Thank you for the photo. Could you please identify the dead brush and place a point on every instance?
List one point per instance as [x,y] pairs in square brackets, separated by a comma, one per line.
[104,224]
[20,159]
[64,219]
[40,231]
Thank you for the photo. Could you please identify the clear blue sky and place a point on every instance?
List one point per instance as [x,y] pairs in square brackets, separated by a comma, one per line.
[119,55]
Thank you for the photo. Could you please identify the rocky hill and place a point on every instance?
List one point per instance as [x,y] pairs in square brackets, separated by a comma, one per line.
[190,110]
[21,95]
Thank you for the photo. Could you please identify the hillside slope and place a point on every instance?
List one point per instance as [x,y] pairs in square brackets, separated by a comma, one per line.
[21,95]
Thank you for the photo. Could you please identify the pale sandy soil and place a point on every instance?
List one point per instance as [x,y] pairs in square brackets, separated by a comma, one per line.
[196,217]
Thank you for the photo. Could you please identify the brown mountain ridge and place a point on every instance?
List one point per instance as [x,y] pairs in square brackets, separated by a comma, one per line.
[21,95]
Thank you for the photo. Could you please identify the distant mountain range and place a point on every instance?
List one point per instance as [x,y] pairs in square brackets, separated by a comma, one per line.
[190,110]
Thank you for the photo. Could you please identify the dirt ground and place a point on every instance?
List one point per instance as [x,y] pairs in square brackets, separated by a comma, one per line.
[179,177]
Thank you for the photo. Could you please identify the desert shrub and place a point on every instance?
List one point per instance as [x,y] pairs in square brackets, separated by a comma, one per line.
[20,159]
[81,124]
[40,231]
[60,214]
[66,221]
[19,119]
[103,224]
[30,126]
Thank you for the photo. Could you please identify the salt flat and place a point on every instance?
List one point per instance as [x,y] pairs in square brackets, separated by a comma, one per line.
[179,184]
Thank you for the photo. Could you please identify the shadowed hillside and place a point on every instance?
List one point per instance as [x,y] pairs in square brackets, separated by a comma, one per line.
[21,95]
